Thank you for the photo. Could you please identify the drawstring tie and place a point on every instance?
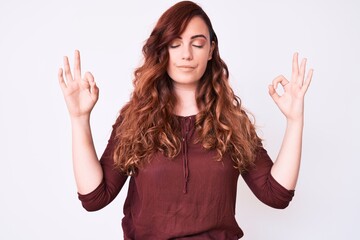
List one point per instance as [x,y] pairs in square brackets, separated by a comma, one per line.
[185,132]
[185,164]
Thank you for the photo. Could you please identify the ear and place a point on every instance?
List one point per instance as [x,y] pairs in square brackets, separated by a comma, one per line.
[211,50]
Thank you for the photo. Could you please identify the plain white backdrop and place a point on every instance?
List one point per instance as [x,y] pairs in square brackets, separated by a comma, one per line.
[257,39]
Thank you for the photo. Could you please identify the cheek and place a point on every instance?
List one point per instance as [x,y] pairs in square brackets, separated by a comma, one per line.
[169,67]
[203,63]
[170,64]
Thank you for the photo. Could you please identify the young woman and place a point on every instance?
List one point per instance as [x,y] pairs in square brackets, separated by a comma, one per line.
[184,138]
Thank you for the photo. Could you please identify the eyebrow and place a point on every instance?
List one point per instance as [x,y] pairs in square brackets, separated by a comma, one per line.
[196,36]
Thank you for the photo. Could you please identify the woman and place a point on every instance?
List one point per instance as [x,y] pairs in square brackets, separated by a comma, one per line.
[184,138]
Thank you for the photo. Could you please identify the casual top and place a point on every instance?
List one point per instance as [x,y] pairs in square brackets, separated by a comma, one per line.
[191,196]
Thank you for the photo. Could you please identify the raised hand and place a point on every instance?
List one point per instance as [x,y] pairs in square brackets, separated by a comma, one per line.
[291,102]
[81,94]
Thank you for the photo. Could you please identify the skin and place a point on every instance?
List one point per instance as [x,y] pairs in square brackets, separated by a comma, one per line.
[188,58]
[291,103]
[82,93]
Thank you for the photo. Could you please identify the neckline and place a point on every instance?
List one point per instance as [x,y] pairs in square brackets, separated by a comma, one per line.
[187,116]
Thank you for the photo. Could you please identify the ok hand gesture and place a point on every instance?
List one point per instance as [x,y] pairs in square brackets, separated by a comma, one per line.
[80,94]
[291,102]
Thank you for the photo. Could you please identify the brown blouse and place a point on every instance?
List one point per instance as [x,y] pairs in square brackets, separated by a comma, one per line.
[189,197]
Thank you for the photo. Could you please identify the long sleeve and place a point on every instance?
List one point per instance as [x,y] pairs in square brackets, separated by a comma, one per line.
[264,186]
[112,181]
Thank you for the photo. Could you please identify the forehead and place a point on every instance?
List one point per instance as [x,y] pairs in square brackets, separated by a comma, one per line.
[195,26]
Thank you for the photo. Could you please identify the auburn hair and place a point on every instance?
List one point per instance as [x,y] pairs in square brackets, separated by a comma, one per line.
[147,124]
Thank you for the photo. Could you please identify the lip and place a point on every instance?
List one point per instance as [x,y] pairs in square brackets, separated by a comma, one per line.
[186,66]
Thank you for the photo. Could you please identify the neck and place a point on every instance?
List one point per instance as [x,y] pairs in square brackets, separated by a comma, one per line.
[186,103]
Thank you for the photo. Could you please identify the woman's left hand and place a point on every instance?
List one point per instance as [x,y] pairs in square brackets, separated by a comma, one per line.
[291,102]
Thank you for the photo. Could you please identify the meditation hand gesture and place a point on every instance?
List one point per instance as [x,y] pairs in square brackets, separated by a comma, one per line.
[291,103]
[80,94]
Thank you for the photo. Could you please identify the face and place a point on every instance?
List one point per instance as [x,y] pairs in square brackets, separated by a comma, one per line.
[189,54]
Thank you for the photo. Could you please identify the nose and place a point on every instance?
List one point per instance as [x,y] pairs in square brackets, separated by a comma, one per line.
[187,53]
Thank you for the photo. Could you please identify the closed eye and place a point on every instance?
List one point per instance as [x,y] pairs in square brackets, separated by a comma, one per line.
[198,46]
[174,46]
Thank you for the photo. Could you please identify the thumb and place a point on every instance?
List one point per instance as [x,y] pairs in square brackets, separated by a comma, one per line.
[272,92]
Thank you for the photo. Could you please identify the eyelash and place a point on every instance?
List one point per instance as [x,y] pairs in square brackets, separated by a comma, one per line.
[197,46]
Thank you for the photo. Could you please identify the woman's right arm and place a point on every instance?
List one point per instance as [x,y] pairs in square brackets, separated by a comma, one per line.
[81,95]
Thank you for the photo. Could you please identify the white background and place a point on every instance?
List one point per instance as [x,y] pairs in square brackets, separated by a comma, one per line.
[257,39]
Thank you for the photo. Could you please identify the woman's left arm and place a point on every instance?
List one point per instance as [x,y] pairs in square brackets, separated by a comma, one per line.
[291,103]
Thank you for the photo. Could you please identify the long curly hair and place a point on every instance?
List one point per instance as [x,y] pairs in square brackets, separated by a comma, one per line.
[147,124]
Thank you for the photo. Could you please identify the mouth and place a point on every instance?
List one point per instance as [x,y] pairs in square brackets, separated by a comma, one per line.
[186,67]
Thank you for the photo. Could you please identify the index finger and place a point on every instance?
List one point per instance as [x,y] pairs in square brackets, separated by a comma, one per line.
[280,79]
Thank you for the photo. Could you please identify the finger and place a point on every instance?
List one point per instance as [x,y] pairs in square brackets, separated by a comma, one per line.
[272,92]
[89,77]
[94,90]
[77,65]
[61,79]
[308,80]
[84,84]
[295,67]
[67,69]
[280,79]
[301,75]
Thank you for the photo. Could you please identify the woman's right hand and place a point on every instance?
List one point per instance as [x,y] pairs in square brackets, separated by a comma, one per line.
[81,94]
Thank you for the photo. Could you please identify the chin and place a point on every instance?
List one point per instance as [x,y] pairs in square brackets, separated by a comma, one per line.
[188,82]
